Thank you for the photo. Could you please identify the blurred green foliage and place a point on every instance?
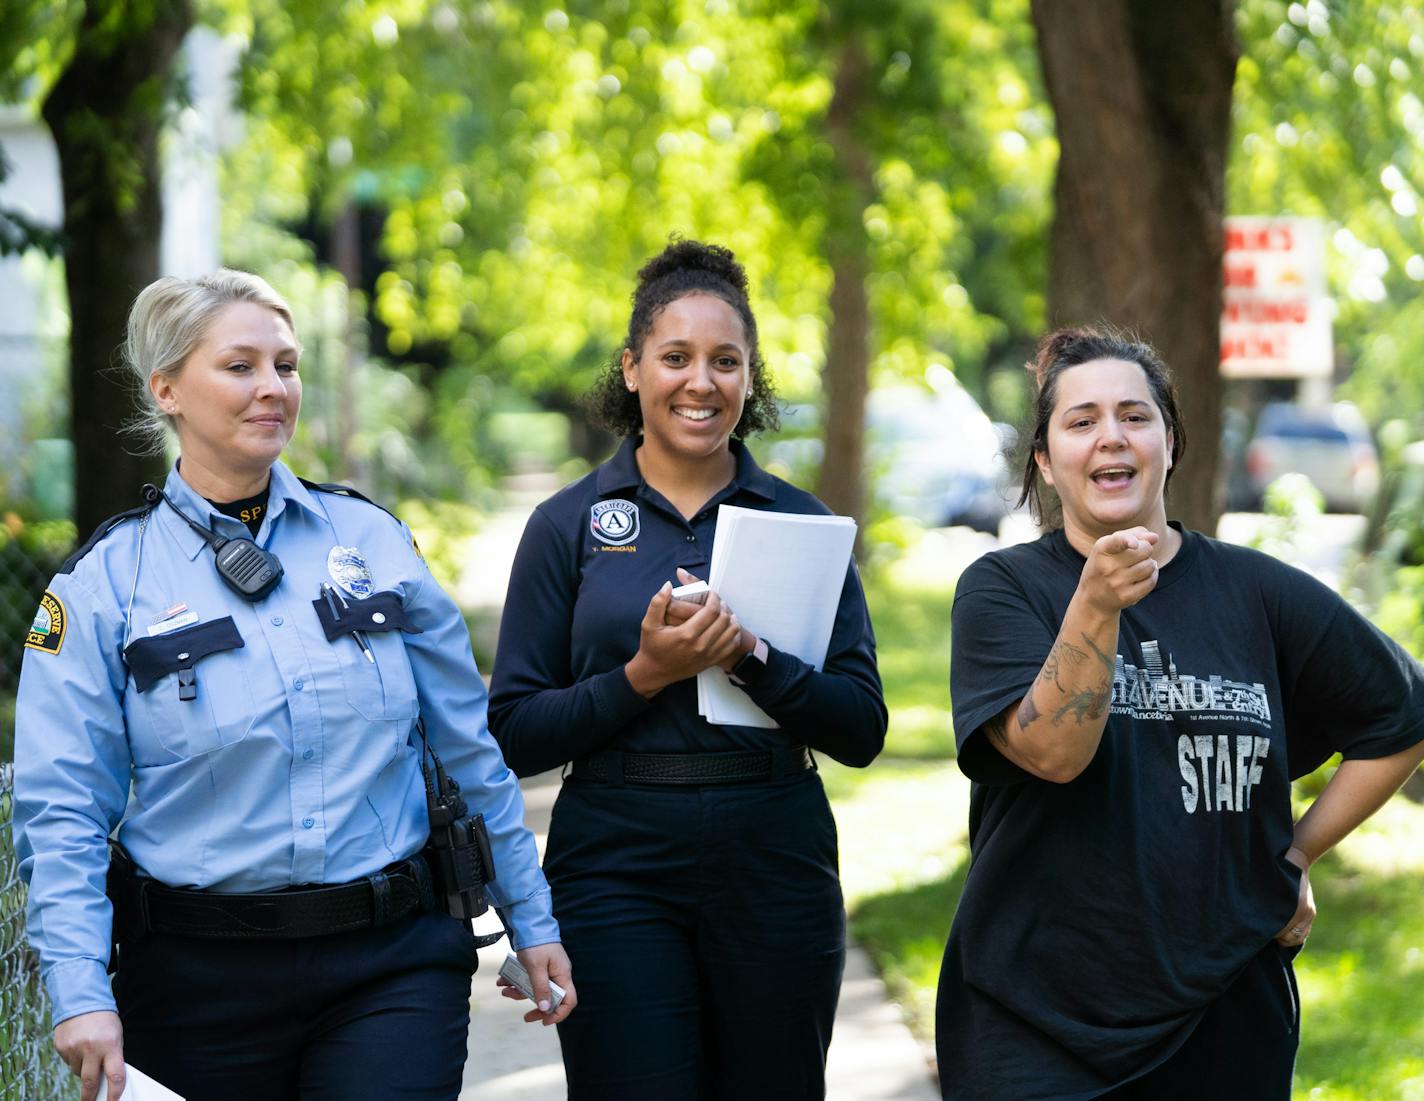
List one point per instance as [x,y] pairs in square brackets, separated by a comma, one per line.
[1289,504]
[528,158]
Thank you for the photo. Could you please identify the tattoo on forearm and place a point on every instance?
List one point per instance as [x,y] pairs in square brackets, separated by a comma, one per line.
[1080,703]
[1062,657]
[998,731]
[1108,661]
[1086,703]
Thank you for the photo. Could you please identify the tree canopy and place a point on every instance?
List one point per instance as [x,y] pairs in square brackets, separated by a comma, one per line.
[504,166]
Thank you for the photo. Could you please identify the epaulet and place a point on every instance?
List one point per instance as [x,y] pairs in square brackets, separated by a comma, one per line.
[102,530]
[347,491]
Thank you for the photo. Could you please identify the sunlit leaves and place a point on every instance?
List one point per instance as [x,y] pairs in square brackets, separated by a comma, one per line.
[530,156]
[36,39]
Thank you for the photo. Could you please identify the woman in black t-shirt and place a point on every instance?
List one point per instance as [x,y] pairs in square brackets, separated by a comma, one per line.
[1132,700]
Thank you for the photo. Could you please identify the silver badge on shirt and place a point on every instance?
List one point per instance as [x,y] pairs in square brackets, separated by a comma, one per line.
[348,569]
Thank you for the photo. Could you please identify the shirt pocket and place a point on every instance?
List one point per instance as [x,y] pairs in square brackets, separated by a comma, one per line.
[381,686]
[191,686]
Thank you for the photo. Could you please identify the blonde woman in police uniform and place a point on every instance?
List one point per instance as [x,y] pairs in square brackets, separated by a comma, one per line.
[280,935]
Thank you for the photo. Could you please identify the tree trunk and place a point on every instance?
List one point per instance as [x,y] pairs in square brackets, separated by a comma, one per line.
[846,376]
[1142,95]
[346,258]
[105,111]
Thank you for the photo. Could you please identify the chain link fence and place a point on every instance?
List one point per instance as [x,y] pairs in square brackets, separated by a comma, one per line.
[29,1068]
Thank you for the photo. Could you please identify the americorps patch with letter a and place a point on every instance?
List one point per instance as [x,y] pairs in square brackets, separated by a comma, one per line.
[615,522]
[47,631]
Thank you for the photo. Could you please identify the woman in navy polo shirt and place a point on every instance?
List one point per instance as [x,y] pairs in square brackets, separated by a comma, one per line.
[693,866]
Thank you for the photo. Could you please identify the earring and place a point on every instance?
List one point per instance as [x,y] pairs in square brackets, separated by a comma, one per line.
[632,388]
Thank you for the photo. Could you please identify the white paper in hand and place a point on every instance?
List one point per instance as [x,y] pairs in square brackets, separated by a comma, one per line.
[139,1087]
[782,573]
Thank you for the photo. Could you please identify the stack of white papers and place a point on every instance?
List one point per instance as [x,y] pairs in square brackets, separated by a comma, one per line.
[782,574]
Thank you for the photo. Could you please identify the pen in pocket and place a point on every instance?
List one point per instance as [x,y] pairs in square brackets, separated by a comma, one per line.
[332,596]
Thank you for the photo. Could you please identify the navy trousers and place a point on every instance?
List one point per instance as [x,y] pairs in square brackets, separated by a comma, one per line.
[1244,1047]
[379,1013]
[707,934]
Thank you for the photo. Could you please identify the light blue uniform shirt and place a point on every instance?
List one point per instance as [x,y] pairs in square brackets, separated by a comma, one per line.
[293,765]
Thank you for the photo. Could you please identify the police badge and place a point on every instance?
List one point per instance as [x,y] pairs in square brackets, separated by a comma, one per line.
[348,569]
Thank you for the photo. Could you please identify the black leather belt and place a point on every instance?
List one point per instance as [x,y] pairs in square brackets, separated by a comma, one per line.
[688,770]
[143,905]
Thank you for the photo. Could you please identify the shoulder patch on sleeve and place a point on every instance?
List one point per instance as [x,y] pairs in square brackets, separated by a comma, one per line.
[47,631]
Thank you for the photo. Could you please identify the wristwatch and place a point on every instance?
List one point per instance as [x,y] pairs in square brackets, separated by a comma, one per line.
[750,664]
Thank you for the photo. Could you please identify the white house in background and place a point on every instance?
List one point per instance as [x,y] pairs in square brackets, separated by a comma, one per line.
[34,318]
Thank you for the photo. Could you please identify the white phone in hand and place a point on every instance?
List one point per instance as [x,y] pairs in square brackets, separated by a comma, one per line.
[695,593]
[514,971]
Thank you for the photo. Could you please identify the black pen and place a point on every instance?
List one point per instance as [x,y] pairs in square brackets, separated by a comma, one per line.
[332,596]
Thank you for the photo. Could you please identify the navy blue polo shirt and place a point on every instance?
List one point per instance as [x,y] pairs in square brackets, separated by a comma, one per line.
[591,558]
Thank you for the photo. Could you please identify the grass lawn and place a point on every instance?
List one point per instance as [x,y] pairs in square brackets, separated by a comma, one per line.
[904,855]
[902,821]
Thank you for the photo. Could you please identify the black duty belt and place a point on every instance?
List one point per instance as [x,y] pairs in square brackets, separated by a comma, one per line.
[688,770]
[143,905]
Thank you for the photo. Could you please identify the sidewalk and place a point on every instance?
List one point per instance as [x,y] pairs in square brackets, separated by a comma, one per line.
[873,1057]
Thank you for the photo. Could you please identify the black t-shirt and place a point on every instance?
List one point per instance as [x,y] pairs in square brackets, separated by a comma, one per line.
[249,510]
[1100,917]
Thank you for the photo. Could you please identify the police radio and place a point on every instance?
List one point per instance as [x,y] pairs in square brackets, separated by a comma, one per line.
[458,851]
[245,568]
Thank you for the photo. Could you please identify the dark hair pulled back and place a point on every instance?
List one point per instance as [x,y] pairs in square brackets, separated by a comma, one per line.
[683,268]
[1066,348]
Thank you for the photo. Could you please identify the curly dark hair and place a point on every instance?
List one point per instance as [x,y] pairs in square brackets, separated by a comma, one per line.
[683,268]
[1067,348]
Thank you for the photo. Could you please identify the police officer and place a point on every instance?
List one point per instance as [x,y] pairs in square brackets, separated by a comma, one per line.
[694,866]
[247,713]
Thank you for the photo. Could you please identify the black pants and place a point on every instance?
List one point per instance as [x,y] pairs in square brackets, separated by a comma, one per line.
[1243,1049]
[380,1013]
[707,935]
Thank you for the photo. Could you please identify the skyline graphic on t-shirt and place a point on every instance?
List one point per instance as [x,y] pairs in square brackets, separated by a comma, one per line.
[1155,691]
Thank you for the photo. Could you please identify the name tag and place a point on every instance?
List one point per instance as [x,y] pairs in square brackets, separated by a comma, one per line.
[173,623]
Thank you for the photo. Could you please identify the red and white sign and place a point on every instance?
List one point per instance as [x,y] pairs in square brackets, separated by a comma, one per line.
[1275,316]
